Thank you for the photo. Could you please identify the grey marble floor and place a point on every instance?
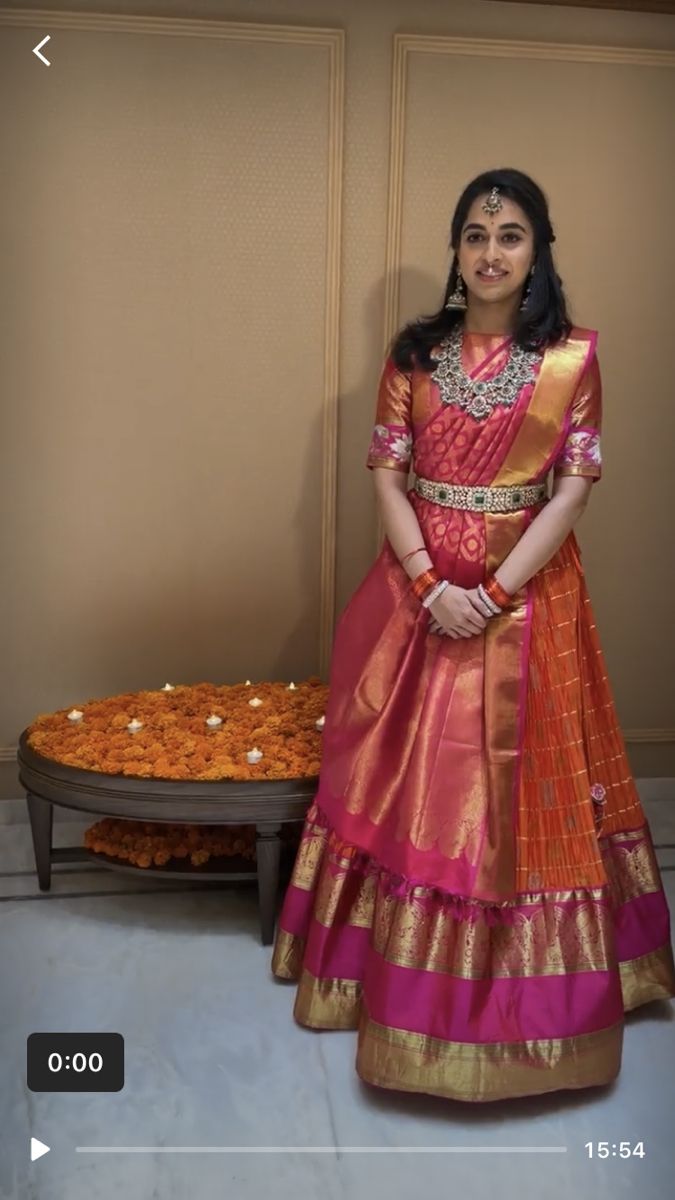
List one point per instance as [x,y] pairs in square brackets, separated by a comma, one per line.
[214,1058]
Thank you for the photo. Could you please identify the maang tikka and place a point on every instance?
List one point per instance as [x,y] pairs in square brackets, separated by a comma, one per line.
[457,300]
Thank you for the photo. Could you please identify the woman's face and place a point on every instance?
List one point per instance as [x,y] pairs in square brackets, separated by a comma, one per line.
[503,241]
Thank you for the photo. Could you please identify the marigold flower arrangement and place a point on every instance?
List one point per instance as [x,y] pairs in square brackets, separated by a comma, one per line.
[174,741]
[154,844]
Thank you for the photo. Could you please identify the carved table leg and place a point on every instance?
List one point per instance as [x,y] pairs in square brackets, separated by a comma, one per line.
[268,852]
[41,814]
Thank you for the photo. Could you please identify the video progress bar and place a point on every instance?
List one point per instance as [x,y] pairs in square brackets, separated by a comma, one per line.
[321,1149]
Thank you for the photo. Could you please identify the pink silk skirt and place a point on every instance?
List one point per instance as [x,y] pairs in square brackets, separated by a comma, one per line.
[509,982]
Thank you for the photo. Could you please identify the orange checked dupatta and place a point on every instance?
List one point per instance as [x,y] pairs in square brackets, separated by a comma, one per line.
[476,890]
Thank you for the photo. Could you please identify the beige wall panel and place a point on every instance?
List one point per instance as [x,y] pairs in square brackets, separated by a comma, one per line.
[589,124]
[165,363]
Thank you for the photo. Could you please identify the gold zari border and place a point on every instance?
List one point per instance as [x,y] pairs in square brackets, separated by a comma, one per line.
[289,951]
[413,1062]
[648,978]
[542,934]
[328,1003]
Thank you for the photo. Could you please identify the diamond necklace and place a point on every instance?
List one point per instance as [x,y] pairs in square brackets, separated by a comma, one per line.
[479,397]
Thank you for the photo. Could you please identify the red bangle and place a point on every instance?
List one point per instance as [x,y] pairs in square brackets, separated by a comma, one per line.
[407,556]
[424,582]
[496,592]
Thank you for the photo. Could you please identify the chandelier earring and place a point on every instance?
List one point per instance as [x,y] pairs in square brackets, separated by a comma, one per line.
[458,298]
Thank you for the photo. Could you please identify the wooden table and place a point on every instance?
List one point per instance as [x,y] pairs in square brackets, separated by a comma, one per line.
[265,803]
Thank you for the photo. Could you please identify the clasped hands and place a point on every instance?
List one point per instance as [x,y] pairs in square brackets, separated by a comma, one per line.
[458,612]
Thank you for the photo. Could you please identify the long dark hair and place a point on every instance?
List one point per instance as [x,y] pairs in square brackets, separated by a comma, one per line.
[544,319]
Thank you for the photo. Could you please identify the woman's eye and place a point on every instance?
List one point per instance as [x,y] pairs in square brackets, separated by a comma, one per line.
[508,235]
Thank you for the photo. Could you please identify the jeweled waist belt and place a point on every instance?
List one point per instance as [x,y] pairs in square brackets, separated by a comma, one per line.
[481,499]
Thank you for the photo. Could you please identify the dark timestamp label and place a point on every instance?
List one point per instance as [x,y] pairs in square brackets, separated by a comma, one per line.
[75,1062]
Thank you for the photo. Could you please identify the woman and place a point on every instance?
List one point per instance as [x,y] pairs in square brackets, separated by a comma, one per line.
[476,890]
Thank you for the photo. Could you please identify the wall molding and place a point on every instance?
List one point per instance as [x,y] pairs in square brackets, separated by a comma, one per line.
[664,7]
[332,41]
[651,737]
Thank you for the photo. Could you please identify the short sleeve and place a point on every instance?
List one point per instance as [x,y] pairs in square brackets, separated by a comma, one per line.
[580,454]
[392,439]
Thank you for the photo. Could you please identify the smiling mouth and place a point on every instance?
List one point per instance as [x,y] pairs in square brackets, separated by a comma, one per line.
[491,274]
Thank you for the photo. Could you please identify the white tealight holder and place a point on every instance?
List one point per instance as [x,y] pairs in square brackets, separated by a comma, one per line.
[320,723]
[254,755]
[168,687]
[292,687]
[248,683]
[75,715]
[134,726]
[213,722]
[255,702]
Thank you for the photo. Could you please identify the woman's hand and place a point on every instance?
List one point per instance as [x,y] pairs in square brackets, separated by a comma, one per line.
[458,612]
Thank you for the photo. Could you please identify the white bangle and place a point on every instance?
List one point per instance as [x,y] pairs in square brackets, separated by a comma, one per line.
[488,601]
[436,591]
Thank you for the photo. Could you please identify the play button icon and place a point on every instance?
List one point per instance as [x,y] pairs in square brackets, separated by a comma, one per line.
[37,1149]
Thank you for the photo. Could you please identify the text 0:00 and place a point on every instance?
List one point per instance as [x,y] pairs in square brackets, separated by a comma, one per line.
[81,1062]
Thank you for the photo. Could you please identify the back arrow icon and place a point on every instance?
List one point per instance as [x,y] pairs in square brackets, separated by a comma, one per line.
[37,1149]
[37,49]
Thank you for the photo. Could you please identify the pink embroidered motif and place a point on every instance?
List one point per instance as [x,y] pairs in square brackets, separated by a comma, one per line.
[598,793]
[582,449]
[391,441]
